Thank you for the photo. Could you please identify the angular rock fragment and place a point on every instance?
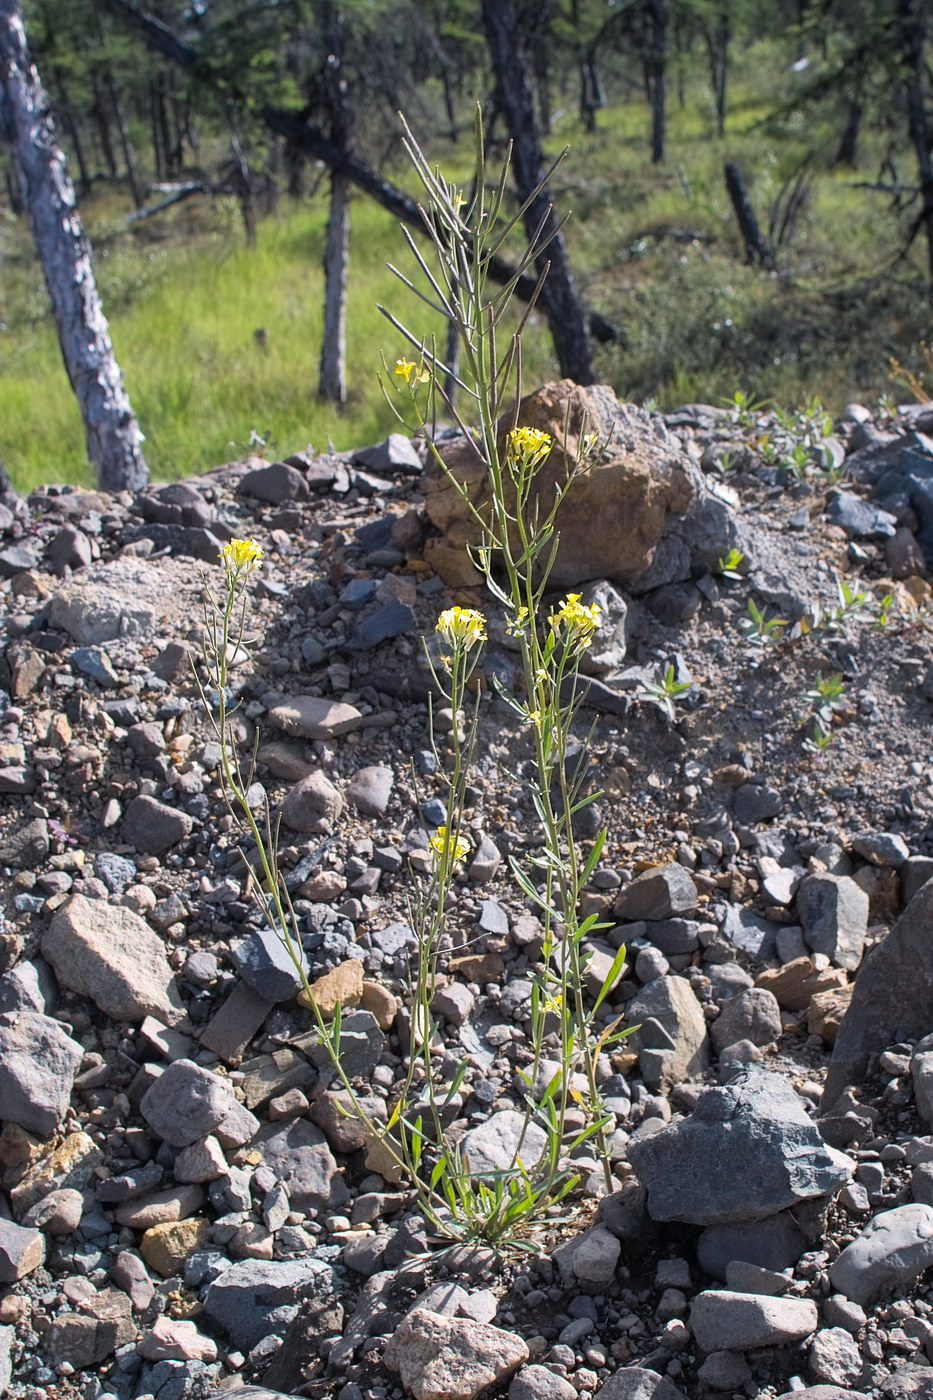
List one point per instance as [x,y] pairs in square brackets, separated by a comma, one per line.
[671,1038]
[834,913]
[768,1155]
[451,1358]
[186,1103]
[38,1063]
[108,953]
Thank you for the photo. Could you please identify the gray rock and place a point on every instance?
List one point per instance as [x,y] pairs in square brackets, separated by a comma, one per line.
[112,956]
[659,893]
[671,1039]
[153,827]
[673,937]
[69,550]
[38,1063]
[771,1157]
[638,1383]
[21,1250]
[268,967]
[96,665]
[752,1015]
[726,1321]
[27,846]
[313,805]
[724,1370]
[186,1103]
[882,848]
[834,1357]
[116,871]
[895,1248]
[311,717]
[492,1146]
[395,455]
[29,986]
[859,519]
[752,935]
[754,802]
[774,1243]
[298,1154]
[370,788]
[921,1070]
[257,1296]
[7,1339]
[123,598]
[840,1311]
[538,1383]
[588,1261]
[893,992]
[909,1382]
[275,484]
[833,910]
[393,619]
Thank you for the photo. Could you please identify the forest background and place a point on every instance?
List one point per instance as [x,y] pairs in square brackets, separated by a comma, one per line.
[750,185]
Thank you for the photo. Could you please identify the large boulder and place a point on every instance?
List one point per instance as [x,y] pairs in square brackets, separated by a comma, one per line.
[641,513]
[768,1156]
[893,992]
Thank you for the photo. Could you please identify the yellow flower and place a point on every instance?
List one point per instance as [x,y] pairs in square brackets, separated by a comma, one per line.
[530,441]
[462,627]
[409,371]
[241,556]
[444,844]
[577,621]
[535,718]
[516,625]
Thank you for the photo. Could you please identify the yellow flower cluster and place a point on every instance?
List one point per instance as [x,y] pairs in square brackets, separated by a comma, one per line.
[412,373]
[241,556]
[529,441]
[462,627]
[445,844]
[577,621]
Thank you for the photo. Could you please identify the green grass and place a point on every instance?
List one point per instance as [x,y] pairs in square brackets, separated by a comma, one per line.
[185,296]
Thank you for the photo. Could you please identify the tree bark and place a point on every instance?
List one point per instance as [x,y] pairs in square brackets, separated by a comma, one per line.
[756,245]
[912,14]
[656,73]
[332,376]
[111,429]
[559,298]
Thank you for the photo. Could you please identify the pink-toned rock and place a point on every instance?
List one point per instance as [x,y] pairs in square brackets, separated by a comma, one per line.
[176,1339]
[451,1358]
[342,986]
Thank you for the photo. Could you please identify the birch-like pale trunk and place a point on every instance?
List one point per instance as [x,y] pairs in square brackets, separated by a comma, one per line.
[332,383]
[111,429]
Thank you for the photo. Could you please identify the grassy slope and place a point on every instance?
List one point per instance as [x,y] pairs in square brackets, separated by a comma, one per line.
[185,296]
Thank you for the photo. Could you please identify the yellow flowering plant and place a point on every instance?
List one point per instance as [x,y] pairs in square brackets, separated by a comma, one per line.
[518,548]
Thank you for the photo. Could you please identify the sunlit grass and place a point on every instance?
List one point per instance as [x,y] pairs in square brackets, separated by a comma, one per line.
[185,297]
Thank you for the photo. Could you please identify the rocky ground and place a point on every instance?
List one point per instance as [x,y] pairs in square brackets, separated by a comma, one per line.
[185,1207]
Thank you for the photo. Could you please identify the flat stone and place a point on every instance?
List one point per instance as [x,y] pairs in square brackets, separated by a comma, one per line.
[176,1339]
[342,986]
[256,1297]
[771,1157]
[161,1207]
[154,827]
[451,1358]
[727,1321]
[111,955]
[834,913]
[659,893]
[125,597]
[232,1027]
[895,1248]
[311,717]
[88,1336]
[492,1145]
[298,1154]
[269,967]
[38,1063]
[882,848]
[186,1103]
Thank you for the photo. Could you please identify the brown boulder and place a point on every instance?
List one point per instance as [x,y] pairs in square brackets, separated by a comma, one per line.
[643,492]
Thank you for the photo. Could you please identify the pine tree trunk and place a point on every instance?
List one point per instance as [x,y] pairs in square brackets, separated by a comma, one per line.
[561,302]
[913,29]
[113,436]
[137,189]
